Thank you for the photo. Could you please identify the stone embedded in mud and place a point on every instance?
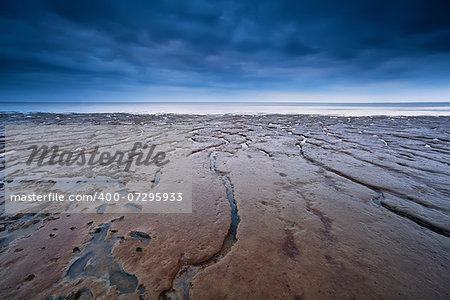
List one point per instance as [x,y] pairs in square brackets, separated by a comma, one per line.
[30,277]
[142,236]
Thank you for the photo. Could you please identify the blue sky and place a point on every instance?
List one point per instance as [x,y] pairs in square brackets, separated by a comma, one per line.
[225,51]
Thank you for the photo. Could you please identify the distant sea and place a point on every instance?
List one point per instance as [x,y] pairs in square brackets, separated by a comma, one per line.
[346,109]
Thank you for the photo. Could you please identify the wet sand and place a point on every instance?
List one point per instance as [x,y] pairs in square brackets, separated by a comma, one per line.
[284,206]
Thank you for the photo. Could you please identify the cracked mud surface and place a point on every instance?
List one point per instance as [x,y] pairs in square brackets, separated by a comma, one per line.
[284,206]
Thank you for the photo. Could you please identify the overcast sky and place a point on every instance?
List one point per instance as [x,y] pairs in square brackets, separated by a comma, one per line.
[225,51]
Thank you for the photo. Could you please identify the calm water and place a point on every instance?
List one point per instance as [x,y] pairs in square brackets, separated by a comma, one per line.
[350,109]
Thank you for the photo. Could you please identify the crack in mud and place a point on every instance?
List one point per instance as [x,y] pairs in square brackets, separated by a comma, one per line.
[380,199]
[417,220]
[207,148]
[156,179]
[263,151]
[182,280]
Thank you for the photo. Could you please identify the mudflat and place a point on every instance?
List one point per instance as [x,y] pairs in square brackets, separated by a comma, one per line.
[283,206]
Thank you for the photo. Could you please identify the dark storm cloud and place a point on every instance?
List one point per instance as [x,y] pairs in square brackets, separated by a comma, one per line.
[231,45]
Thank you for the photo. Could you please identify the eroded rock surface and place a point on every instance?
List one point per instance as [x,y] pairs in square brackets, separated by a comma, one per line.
[284,206]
